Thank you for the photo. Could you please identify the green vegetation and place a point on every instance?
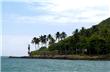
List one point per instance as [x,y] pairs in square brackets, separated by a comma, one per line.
[92,41]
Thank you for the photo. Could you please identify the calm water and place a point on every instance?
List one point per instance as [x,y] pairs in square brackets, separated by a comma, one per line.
[49,65]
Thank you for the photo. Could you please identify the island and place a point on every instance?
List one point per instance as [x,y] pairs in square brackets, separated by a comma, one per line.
[84,44]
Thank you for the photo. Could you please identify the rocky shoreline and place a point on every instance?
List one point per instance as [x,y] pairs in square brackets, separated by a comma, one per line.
[66,57]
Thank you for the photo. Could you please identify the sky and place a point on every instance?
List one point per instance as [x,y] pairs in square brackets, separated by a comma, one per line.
[21,20]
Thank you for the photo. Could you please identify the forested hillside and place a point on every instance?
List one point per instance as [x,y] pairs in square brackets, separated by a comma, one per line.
[92,41]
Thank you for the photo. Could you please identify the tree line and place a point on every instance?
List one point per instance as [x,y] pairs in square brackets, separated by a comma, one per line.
[44,39]
[92,41]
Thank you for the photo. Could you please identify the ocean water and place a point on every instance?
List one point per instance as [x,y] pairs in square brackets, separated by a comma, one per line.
[52,65]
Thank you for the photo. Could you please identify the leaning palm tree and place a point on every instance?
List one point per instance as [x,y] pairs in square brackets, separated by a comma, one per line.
[63,35]
[35,41]
[58,36]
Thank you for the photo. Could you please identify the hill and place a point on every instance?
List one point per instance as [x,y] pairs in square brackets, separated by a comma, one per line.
[92,41]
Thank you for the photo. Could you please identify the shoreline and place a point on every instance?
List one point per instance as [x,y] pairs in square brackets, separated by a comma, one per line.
[66,57]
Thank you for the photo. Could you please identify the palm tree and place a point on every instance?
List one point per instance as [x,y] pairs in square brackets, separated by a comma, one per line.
[75,32]
[35,41]
[58,36]
[76,40]
[63,35]
[43,39]
[82,31]
[50,39]
[49,36]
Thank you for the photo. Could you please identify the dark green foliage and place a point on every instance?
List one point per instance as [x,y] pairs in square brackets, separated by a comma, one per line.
[63,35]
[43,39]
[92,41]
[50,39]
[35,41]
[43,49]
[58,36]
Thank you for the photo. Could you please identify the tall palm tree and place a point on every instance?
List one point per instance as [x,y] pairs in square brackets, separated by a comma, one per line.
[51,39]
[35,41]
[63,35]
[82,31]
[76,39]
[49,36]
[75,32]
[58,36]
[43,39]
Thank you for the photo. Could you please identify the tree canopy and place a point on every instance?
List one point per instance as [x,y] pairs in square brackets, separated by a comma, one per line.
[92,41]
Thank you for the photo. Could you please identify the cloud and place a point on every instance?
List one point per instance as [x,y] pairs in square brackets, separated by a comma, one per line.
[64,12]
[67,13]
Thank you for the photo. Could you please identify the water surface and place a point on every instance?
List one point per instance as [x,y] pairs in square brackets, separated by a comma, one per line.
[53,65]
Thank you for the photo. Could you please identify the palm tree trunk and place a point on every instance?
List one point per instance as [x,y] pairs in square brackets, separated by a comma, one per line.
[38,45]
[35,47]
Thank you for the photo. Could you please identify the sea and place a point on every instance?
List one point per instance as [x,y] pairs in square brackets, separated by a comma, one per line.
[52,65]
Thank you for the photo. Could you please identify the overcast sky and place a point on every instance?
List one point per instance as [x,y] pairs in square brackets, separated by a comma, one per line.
[22,20]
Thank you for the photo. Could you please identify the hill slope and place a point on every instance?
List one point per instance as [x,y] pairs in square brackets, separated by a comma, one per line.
[92,41]
[95,40]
